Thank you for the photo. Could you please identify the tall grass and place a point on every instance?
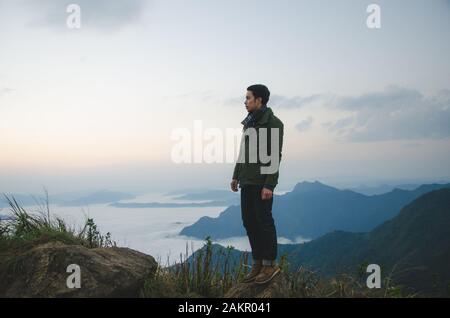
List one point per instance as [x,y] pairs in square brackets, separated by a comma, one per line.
[27,227]
[197,275]
[305,283]
[205,273]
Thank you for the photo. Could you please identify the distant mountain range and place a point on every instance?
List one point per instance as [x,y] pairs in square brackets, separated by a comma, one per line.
[69,199]
[413,247]
[5,217]
[138,205]
[199,198]
[98,197]
[383,188]
[214,195]
[313,209]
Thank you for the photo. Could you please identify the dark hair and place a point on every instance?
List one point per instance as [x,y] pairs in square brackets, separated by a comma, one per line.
[260,90]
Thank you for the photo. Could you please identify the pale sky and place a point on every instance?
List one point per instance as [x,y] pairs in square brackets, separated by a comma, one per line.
[95,107]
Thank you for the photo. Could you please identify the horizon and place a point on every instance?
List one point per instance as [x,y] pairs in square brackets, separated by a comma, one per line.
[379,188]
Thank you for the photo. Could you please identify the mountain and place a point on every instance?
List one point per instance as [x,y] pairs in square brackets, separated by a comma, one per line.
[68,198]
[104,196]
[228,224]
[313,209]
[213,195]
[139,205]
[25,200]
[383,188]
[413,247]
[210,198]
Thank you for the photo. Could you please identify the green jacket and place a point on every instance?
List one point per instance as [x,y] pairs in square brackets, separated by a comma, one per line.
[247,172]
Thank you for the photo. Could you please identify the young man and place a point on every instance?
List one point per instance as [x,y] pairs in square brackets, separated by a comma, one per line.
[257,182]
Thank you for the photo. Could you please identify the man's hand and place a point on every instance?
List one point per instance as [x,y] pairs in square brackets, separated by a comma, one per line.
[266,194]
[234,185]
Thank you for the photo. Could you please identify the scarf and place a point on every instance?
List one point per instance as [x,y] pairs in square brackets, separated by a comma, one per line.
[252,117]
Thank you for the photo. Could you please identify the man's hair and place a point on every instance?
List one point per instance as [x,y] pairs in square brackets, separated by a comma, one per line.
[260,90]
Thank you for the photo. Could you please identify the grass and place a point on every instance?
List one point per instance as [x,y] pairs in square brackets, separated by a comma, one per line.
[25,228]
[198,276]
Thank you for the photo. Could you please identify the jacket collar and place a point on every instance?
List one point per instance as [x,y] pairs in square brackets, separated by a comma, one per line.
[259,116]
[263,118]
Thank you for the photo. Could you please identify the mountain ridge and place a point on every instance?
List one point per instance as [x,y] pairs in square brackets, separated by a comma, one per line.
[313,209]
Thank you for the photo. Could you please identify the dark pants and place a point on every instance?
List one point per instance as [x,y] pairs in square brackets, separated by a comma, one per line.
[258,222]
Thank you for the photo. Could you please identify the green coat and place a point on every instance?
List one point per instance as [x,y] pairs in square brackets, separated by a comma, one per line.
[250,173]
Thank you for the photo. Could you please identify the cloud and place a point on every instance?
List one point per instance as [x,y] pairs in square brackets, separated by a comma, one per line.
[98,14]
[280,101]
[393,114]
[305,124]
[340,125]
[392,95]
[296,102]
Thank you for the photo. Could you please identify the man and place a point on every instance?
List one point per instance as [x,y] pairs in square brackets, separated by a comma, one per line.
[257,184]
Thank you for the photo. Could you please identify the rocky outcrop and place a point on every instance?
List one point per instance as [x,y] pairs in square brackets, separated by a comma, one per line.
[46,270]
[104,272]
[276,288]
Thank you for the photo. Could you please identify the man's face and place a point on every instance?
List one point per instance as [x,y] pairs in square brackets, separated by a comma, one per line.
[252,104]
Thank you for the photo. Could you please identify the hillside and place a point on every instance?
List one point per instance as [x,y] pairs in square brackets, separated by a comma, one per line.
[313,209]
[413,247]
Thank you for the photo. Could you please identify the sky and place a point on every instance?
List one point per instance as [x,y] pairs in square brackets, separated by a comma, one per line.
[96,107]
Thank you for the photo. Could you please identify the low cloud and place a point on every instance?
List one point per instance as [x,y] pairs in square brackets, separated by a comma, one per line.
[396,113]
[297,101]
[393,114]
[286,102]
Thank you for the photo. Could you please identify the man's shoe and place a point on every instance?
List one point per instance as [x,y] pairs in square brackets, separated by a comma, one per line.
[267,273]
[250,277]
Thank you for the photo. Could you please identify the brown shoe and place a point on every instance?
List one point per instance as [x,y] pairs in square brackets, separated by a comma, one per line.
[267,273]
[250,277]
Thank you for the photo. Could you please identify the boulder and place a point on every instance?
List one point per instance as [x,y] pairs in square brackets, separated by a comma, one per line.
[42,271]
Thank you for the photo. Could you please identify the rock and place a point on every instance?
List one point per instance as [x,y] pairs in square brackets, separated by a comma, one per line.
[105,272]
[276,288]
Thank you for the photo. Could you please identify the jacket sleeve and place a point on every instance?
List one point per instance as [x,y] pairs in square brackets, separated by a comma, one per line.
[236,171]
[238,165]
[272,179]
